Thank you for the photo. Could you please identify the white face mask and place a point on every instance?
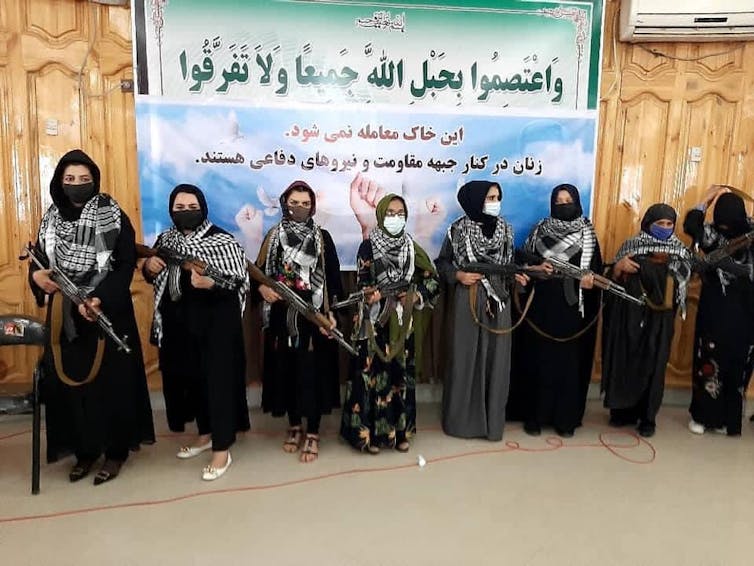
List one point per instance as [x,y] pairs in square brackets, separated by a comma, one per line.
[492,208]
[394,224]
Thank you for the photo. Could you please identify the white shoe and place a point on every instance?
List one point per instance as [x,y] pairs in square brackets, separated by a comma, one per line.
[210,473]
[192,451]
[721,430]
[695,427]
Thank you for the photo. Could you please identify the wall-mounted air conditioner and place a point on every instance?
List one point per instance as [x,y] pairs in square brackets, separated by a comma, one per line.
[686,20]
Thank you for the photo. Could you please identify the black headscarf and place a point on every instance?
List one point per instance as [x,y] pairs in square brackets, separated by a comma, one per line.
[297,186]
[471,197]
[679,262]
[571,190]
[73,157]
[659,211]
[192,190]
[731,213]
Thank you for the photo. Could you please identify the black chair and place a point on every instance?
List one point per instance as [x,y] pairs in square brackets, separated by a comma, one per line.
[21,330]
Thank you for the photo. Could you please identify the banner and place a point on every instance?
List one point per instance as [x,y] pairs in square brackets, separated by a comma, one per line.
[361,99]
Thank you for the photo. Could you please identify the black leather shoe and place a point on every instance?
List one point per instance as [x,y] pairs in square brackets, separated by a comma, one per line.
[532,429]
[80,470]
[109,471]
[564,433]
[618,422]
[646,429]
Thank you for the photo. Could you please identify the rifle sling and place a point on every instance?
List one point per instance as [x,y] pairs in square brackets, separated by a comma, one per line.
[395,347]
[538,330]
[56,324]
[668,299]
[498,331]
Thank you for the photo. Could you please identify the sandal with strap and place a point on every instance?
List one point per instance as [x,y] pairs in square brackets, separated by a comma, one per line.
[80,470]
[109,471]
[293,441]
[310,451]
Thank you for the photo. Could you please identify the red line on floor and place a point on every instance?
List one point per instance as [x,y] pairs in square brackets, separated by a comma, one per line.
[552,444]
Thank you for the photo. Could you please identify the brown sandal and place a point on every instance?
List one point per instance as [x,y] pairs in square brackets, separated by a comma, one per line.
[293,442]
[310,451]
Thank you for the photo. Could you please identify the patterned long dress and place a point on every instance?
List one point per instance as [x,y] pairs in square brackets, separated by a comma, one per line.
[380,406]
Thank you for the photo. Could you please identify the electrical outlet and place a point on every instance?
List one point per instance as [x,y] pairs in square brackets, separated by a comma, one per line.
[126,85]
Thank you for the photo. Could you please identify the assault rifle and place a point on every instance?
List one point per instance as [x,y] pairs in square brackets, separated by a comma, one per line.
[77,296]
[302,307]
[187,262]
[569,270]
[357,297]
[723,257]
[736,244]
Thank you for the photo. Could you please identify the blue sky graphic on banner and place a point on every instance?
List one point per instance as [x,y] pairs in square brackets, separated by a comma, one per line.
[243,157]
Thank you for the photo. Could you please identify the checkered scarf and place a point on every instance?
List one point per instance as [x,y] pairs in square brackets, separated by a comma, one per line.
[565,239]
[82,249]
[393,257]
[220,250]
[298,247]
[471,245]
[679,264]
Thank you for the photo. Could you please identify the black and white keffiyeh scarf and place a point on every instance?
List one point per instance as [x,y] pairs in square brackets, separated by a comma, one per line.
[471,245]
[679,264]
[393,258]
[563,240]
[713,239]
[297,247]
[219,249]
[82,249]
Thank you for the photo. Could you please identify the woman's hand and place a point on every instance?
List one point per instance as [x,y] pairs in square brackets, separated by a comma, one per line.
[468,279]
[268,294]
[154,265]
[626,264]
[42,278]
[90,313]
[712,194]
[333,324]
[199,281]
[373,295]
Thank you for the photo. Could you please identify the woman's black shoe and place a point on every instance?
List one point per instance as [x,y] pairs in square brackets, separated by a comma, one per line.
[646,429]
[532,429]
[81,469]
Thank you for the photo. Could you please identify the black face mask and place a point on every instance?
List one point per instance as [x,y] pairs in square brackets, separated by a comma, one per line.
[568,211]
[299,213]
[187,219]
[79,194]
